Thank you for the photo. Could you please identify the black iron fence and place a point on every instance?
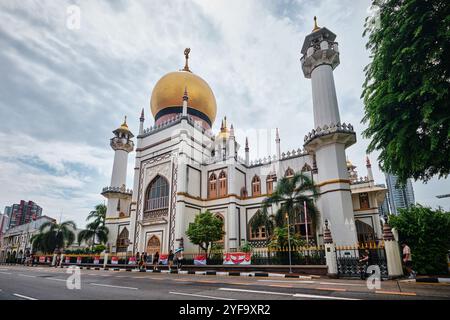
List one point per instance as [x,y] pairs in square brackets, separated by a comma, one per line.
[354,261]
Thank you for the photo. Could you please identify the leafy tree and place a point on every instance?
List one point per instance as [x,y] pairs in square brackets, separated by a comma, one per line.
[94,233]
[407,88]
[289,195]
[280,240]
[205,230]
[54,236]
[427,233]
[99,214]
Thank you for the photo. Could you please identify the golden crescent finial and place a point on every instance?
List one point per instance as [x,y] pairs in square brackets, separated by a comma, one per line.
[316,27]
[186,55]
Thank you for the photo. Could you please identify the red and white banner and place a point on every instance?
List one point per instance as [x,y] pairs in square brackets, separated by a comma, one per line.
[78,260]
[132,260]
[49,259]
[96,260]
[67,259]
[163,259]
[114,260]
[237,258]
[41,259]
[200,260]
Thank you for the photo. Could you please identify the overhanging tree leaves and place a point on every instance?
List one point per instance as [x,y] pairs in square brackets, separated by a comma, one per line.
[406,92]
[205,230]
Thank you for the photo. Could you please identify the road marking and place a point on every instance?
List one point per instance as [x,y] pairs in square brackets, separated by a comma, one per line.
[297,295]
[287,281]
[281,285]
[343,284]
[24,297]
[240,283]
[397,293]
[54,279]
[5,272]
[200,296]
[332,289]
[26,275]
[111,286]
[182,280]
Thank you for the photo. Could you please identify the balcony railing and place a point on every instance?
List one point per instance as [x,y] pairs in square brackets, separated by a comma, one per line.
[157,203]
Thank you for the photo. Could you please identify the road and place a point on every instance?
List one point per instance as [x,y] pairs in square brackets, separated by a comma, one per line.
[44,283]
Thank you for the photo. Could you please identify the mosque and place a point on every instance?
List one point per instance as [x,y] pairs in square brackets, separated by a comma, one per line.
[182,168]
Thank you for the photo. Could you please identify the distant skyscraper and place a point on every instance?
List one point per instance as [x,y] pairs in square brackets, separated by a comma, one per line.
[23,212]
[399,197]
[383,209]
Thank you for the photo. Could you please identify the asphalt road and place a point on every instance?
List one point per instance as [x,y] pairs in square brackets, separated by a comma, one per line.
[44,283]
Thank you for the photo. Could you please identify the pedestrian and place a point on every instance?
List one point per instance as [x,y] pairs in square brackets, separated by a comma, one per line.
[364,263]
[155,260]
[170,258]
[180,260]
[407,261]
[137,258]
[144,260]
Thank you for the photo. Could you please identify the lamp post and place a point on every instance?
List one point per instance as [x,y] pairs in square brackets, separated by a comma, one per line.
[289,243]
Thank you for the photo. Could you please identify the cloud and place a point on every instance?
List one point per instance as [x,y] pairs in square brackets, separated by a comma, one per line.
[64,91]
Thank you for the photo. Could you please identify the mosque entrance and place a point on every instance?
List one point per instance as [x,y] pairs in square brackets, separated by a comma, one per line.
[153,245]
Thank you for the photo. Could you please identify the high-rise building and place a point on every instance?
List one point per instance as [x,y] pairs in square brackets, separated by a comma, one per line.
[23,212]
[383,209]
[399,196]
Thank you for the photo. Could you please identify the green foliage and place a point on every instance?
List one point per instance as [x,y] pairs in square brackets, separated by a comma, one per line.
[246,247]
[407,91]
[96,231]
[427,233]
[280,240]
[289,195]
[205,230]
[54,236]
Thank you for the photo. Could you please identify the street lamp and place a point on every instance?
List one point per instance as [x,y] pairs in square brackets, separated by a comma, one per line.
[289,243]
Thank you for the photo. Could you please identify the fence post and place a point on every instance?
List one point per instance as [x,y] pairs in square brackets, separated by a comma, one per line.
[330,252]
[105,260]
[393,259]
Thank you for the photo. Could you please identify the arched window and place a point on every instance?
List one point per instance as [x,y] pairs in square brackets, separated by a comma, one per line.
[157,195]
[289,173]
[259,233]
[300,225]
[212,186]
[222,184]
[364,201]
[269,183]
[256,186]
[122,240]
[153,245]
[365,232]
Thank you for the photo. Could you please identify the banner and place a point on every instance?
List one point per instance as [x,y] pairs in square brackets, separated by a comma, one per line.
[41,259]
[163,259]
[114,260]
[237,258]
[67,259]
[78,260]
[96,260]
[200,260]
[49,259]
[132,260]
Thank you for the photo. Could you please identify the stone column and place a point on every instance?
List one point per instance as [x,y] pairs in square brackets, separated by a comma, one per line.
[393,259]
[330,252]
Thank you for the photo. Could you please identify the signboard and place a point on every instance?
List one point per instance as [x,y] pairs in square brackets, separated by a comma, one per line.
[114,260]
[132,260]
[163,259]
[96,260]
[78,260]
[41,259]
[200,260]
[67,259]
[237,258]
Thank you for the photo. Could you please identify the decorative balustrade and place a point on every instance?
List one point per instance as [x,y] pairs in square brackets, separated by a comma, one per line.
[174,120]
[325,130]
[360,180]
[118,190]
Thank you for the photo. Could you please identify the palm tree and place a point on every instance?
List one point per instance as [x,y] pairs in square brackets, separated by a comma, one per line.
[54,236]
[289,195]
[99,214]
[94,231]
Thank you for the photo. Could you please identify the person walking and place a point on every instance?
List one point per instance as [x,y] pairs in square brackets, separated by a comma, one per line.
[364,263]
[155,261]
[137,259]
[170,258]
[407,261]
[179,256]
[144,260]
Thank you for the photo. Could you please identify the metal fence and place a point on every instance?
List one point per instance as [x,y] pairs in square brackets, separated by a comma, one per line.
[349,264]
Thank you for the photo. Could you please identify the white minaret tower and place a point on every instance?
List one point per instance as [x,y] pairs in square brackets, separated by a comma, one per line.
[330,138]
[117,194]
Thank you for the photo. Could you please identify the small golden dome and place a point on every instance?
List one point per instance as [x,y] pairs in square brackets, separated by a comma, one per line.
[170,89]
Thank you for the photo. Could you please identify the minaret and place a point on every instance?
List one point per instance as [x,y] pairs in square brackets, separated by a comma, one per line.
[141,122]
[277,141]
[232,144]
[185,102]
[122,145]
[247,152]
[330,138]
[369,169]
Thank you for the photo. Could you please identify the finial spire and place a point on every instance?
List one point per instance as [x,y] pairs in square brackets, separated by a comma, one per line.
[277,136]
[125,121]
[316,27]
[142,115]
[368,164]
[185,96]
[186,55]
[246,144]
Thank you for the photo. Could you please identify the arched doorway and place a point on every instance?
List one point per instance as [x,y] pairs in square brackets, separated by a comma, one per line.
[365,232]
[153,245]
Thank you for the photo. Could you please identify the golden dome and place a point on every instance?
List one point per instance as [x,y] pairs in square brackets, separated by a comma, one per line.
[169,90]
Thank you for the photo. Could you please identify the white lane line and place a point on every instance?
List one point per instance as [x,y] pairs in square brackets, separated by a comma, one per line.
[289,282]
[111,286]
[26,275]
[5,272]
[23,297]
[54,279]
[297,295]
[200,296]
[343,284]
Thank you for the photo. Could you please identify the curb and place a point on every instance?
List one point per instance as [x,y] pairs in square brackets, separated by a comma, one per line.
[432,280]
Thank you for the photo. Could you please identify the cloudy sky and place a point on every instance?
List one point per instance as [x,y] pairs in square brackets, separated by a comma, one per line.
[63,90]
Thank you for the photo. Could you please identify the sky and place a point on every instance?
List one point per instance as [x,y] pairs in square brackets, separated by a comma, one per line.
[63,89]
